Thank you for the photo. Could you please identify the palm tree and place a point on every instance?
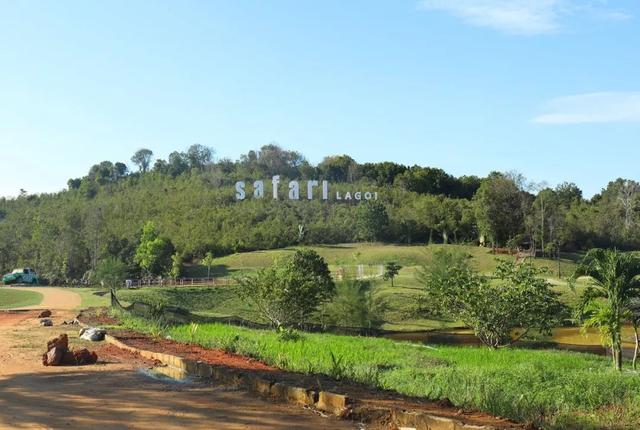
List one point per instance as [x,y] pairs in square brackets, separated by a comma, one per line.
[634,310]
[606,303]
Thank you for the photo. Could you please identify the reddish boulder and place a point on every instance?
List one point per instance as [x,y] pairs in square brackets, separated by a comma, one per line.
[83,356]
[58,354]
[61,342]
[68,359]
[53,357]
[44,314]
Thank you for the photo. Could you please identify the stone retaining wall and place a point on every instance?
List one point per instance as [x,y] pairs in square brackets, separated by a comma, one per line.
[333,403]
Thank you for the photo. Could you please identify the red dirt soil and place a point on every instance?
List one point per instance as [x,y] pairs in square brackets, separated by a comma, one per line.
[13,317]
[115,394]
[192,352]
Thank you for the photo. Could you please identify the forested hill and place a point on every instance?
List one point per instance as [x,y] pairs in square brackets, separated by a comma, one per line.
[190,200]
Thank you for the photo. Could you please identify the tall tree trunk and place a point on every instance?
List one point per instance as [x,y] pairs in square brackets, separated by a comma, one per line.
[616,352]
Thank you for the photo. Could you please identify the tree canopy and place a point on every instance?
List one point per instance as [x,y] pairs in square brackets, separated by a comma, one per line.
[290,291]
[189,196]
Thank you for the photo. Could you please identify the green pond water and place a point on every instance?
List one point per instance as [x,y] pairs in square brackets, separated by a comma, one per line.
[564,338]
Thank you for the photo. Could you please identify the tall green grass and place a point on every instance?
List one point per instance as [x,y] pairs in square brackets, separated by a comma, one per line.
[549,388]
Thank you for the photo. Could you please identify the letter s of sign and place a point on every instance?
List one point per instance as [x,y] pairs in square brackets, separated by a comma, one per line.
[240,194]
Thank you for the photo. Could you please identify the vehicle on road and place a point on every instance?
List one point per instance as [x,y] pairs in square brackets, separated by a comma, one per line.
[24,275]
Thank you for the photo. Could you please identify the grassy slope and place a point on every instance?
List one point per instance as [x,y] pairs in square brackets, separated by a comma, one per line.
[363,253]
[15,298]
[90,299]
[348,256]
[213,301]
[556,389]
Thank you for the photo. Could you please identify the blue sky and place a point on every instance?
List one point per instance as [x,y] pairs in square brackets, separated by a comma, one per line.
[549,88]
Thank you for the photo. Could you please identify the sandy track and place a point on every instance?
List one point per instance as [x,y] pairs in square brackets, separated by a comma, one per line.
[115,394]
[53,298]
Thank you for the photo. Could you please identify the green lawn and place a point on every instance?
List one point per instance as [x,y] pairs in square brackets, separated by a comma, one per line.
[17,298]
[89,297]
[222,301]
[549,388]
[351,255]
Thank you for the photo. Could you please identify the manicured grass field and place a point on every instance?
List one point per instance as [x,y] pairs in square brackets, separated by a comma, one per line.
[370,254]
[17,298]
[549,388]
[90,299]
[222,301]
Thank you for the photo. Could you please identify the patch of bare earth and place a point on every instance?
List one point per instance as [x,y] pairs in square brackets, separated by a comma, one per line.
[115,394]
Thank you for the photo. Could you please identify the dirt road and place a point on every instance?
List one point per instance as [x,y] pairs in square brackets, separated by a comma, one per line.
[115,393]
[53,298]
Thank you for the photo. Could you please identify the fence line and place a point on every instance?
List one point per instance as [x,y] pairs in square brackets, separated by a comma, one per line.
[177,315]
[180,282]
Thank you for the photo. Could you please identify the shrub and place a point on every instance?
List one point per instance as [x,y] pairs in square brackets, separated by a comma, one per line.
[500,310]
[289,291]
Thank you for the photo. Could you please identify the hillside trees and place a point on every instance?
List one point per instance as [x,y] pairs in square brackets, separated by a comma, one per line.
[208,262]
[499,203]
[177,164]
[111,272]
[371,219]
[189,197]
[272,160]
[382,174]
[199,156]
[142,158]
[338,168]
[618,213]
[154,252]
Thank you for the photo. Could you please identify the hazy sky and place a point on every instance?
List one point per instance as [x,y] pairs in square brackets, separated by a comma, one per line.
[550,88]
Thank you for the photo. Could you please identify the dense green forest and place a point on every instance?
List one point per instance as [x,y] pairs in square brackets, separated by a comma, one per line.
[190,200]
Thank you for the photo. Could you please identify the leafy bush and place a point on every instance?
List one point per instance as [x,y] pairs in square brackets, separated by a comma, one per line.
[499,310]
[290,291]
